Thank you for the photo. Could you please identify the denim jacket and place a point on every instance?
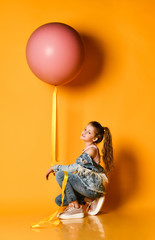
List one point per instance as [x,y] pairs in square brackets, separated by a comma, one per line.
[91,174]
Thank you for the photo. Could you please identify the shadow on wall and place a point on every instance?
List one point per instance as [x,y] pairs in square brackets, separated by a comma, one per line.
[124,180]
[92,67]
[93,62]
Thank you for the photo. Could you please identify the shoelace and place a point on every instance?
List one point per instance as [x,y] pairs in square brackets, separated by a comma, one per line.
[68,209]
[88,206]
[91,205]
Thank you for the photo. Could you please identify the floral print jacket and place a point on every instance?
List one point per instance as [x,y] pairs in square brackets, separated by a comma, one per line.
[91,174]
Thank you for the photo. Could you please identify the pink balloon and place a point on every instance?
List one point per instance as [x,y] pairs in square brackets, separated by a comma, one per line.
[55,53]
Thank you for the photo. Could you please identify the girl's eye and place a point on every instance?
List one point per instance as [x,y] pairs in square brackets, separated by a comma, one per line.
[89,133]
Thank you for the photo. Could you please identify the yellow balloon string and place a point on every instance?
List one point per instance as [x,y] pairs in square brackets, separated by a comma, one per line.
[51,217]
[53,127]
[53,160]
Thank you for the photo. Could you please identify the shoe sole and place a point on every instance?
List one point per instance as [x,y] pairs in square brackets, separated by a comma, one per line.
[78,215]
[99,206]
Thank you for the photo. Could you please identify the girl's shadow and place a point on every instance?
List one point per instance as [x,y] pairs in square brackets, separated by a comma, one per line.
[123,181]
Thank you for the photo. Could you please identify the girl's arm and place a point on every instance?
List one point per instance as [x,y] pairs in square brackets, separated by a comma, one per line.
[67,168]
[91,151]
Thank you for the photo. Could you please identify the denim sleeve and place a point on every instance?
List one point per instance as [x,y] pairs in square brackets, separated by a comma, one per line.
[98,167]
[68,168]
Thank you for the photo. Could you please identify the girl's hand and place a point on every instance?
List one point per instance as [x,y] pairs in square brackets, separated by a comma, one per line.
[50,170]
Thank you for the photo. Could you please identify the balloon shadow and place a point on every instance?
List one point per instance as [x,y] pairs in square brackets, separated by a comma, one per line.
[123,181]
[93,63]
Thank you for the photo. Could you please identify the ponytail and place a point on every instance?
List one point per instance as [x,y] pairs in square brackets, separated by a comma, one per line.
[107,150]
[103,133]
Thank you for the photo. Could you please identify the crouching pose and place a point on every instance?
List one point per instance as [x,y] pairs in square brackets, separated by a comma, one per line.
[86,177]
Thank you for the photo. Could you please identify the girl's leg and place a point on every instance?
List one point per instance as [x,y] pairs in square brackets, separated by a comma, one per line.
[74,184]
[69,191]
[80,199]
[86,199]
[58,200]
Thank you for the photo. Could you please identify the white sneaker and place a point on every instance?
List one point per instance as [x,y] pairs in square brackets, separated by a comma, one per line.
[95,206]
[72,212]
[58,214]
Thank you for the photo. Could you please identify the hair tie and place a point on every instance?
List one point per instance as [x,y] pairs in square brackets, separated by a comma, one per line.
[103,129]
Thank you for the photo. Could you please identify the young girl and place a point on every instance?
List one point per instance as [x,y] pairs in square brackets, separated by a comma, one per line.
[86,178]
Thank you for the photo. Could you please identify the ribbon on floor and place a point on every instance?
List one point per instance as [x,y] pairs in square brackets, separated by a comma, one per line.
[51,217]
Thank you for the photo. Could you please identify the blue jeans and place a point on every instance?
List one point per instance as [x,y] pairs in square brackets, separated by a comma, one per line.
[75,189]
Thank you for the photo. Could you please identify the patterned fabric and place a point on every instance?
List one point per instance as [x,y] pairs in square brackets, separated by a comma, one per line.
[91,174]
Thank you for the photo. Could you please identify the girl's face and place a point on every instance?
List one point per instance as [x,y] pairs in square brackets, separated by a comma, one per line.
[88,134]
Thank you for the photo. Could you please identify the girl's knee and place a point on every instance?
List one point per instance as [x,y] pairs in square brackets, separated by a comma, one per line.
[58,201]
[59,175]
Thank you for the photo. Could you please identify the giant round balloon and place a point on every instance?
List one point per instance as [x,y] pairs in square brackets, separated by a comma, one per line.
[55,53]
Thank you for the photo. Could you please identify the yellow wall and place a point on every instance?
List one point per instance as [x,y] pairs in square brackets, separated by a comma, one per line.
[119,94]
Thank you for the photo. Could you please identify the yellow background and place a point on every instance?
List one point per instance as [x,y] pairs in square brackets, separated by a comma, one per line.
[119,93]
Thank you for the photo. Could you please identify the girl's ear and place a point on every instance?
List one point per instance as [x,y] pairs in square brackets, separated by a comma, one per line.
[95,139]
